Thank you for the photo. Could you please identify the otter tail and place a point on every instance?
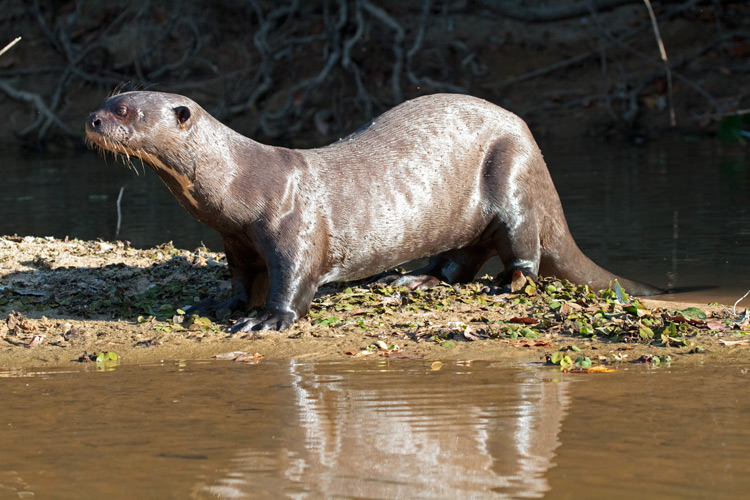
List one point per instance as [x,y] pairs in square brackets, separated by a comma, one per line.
[565,260]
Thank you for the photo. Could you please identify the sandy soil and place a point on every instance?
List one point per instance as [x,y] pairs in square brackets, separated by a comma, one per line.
[62,302]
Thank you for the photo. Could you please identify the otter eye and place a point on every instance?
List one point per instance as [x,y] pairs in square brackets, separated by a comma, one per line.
[122,111]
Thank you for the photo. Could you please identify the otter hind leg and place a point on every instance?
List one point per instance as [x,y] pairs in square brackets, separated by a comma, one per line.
[238,302]
[249,277]
[249,289]
[517,184]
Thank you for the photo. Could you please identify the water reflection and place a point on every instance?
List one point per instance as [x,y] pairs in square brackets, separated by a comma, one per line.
[308,430]
[384,433]
[291,430]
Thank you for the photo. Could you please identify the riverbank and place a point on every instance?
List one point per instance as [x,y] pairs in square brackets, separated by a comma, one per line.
[64,301]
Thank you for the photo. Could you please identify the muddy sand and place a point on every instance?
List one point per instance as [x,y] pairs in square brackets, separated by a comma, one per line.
[66,301]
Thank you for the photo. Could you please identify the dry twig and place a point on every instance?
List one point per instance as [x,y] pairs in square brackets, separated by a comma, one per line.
[10,45]
[663,52]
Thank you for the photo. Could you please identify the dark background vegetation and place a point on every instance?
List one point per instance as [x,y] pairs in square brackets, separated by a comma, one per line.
[304,73]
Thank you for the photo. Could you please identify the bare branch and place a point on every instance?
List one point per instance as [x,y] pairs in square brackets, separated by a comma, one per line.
[38,104]
[398,50]
[663,52]
[10,45]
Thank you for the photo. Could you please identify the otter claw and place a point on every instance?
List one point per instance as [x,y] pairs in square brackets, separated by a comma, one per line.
[269,320]
[496,290]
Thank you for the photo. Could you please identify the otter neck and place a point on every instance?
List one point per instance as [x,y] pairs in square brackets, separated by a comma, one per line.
[225,184]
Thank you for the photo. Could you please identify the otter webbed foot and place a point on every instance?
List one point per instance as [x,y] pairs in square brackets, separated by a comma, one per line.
[271,318]
[516,283]
[411,281]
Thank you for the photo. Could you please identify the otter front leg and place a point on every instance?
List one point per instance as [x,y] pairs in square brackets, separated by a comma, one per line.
[291,289]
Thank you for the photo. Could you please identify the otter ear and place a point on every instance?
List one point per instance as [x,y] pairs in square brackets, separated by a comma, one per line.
[183,113]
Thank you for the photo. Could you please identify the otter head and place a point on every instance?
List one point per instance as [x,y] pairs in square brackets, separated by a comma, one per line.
[151,126]
[154,127]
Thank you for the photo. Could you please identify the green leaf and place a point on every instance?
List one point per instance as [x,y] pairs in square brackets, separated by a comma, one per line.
[693,312]
[671,329]
[529,333]
[328,322]
[555,304]
[587,331]
[105,356]
[566,363]
[646,333]
[200,320]
[634,310]
[583,362]
[448,343]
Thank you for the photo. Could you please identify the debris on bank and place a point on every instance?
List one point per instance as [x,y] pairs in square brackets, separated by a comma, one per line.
[57,294]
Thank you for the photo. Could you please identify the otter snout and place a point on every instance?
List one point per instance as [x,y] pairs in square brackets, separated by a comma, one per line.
[94,122]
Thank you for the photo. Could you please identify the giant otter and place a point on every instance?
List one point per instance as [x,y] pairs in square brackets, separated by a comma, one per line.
[450,177]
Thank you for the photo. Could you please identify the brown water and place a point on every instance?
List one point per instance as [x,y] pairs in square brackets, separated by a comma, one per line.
[673,212]
[385,429]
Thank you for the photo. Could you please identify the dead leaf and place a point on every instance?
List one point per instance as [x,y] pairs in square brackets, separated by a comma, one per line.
[249,358]
[593,369]
[518,282]
[17,322]
[716,325]
[679,318]
[567,307]
[36,341]
[357,312]
[469,334]
[525,321]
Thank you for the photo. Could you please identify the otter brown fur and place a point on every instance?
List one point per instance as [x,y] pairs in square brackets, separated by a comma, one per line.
[450,177]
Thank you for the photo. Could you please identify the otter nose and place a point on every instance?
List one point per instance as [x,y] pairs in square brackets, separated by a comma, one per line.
[93,122]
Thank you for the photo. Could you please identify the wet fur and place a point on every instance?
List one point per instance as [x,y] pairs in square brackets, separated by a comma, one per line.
[445,176]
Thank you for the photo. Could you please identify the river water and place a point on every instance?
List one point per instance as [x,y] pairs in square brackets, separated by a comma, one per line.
[390,430]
